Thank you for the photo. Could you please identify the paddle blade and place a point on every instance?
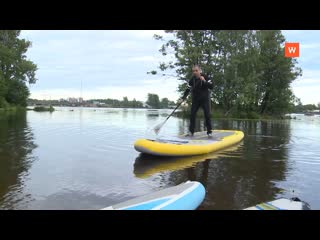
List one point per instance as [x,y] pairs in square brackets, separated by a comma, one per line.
[158,128]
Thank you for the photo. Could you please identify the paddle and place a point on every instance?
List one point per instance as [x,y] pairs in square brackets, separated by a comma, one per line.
[159,126]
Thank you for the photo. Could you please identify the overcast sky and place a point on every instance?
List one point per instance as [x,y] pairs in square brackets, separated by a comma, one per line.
[114,64]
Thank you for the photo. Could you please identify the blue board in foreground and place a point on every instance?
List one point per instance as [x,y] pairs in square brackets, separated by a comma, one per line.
[186,196]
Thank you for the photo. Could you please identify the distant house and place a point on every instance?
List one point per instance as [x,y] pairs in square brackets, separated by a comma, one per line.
[171,106]
[145,105]
[101,104]
[312,113]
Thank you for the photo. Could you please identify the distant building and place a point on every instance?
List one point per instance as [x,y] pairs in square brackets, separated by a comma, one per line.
[72,100]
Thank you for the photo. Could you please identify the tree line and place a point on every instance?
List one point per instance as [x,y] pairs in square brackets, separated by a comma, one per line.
[153,101]
[299,108]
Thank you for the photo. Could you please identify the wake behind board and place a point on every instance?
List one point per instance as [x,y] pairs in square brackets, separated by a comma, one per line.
[182,145]
[281,204]
[186,196]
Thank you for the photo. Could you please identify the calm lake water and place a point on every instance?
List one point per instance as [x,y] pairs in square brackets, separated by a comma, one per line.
[83,158]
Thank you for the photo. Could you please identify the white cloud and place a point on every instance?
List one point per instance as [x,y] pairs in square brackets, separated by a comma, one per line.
[309,77]
[309,45]
[123,45]
[311,73]
[54,93]
[161,81]
[305,82]
[144,59]
[292,32]
[146,34]
[308,94]
[307,87]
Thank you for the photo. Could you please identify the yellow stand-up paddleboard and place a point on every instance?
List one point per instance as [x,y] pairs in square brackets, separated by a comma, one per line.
[182,145]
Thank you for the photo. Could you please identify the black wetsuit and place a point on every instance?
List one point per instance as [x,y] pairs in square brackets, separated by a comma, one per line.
[200,98]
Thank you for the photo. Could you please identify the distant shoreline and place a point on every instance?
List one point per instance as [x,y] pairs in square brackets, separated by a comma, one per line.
[179,113]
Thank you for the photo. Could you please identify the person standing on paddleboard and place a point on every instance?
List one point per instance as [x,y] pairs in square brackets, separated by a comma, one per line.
[199,86]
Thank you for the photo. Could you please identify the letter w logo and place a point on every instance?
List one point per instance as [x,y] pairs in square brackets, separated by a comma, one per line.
[292,50]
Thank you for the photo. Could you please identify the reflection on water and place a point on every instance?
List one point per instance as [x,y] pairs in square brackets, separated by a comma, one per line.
[85,159]
[16,147]
[152,114]
[73,200]
[146,165]
[233,182]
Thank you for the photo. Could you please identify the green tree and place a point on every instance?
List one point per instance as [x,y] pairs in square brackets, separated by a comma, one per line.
[17,93]
[153,100]
[296,106]
[164,103]
[125,102]
[249,71]
[140,104]
[136,104]
[277,73]
[15,69]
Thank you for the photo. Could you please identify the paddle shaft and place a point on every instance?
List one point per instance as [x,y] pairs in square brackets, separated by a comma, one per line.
[174,110]
[157,129]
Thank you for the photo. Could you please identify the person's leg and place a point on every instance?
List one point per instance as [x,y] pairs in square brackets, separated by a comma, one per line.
[206,111]
[194,109]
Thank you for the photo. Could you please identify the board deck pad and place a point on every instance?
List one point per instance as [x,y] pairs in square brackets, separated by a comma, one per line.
[199,138]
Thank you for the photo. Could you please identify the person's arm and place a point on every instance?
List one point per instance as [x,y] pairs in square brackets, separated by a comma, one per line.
[208,82]
[187,91]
